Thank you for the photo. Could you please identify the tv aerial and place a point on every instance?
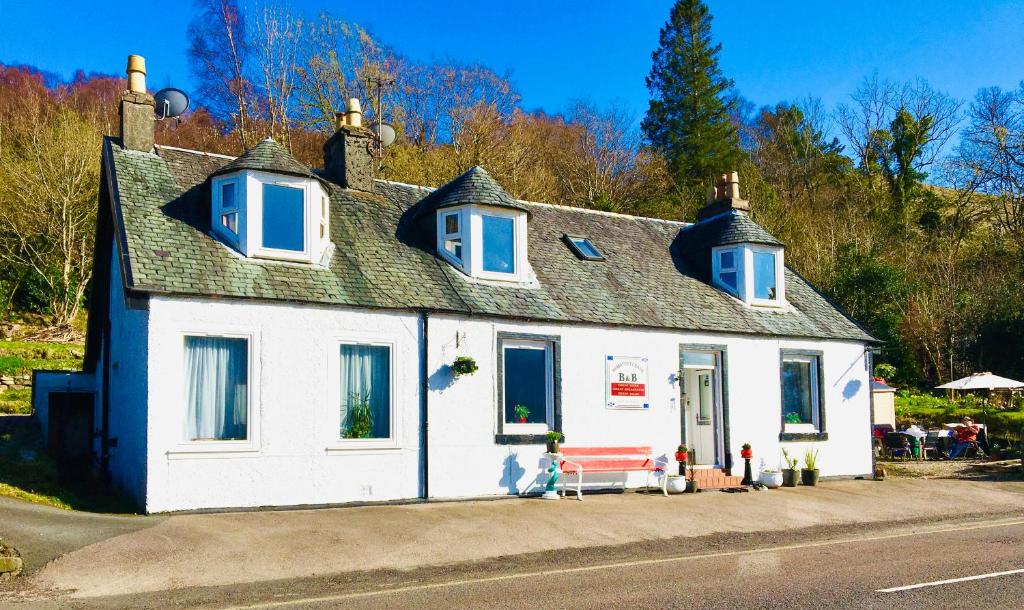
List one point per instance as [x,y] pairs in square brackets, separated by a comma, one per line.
[171,103]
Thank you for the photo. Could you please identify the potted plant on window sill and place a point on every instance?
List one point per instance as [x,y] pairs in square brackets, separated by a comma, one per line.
[789,474]
[464,365]
[809,474]
[553,439]
[359,422]
[522,413]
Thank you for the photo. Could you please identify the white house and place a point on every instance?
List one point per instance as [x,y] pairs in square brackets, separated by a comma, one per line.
[266,334]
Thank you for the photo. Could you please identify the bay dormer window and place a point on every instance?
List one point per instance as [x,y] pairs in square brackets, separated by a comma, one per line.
[266,205]
[753,273]
[483,242]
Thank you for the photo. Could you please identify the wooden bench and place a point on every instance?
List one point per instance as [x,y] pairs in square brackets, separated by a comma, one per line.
[579,460]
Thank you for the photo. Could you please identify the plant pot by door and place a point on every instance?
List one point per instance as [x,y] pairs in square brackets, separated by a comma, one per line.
[771,480]
[692,487]
[809,477]
[789,477]
[676,484]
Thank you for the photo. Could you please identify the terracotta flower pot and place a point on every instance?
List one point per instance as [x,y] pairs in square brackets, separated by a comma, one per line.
[522,420]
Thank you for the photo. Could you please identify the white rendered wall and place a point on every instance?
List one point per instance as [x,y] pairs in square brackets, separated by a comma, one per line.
[465,461]
[128,390]
[292,426]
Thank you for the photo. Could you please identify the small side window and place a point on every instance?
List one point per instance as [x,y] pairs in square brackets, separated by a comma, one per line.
[453,235]
[727,273]
[229,206]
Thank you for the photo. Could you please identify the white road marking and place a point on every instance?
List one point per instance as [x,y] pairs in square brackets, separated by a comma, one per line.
[950,581]
[622,564]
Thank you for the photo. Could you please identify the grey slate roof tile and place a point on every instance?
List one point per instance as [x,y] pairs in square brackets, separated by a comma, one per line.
[381,261]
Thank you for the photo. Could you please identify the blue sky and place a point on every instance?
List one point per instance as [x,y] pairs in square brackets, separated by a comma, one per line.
[595,50]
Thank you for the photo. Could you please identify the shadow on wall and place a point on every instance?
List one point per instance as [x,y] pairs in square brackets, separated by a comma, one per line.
[442,379]
[511,474]
[851,389]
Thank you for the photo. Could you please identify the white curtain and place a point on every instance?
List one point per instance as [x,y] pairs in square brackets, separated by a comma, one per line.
[365,376]
[216,373]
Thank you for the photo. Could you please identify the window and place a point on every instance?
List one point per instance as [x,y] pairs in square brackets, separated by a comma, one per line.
[727,270]
[283,218]
[453,235]
[365,391]
[801,393]
[216,386]
[583,248]
[499,244]
[765,283]
[229,206]
[528,393]
[324,210]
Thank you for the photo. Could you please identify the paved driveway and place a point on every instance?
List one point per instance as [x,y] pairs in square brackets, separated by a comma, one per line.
[43,533]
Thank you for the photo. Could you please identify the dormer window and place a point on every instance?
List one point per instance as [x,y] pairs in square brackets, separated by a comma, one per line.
[451,225]
[483,242]
[283,214]
[229,206]
[752,273]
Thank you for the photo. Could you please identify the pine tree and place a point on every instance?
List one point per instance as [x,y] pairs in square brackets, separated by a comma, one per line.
[689,116]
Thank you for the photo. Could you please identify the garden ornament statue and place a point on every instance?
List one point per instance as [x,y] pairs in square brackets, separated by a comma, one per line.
[550,493]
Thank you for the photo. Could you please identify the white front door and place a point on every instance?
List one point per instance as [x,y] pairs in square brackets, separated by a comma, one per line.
[702,406]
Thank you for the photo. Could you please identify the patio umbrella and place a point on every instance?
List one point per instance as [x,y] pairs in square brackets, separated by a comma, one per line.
[981,381]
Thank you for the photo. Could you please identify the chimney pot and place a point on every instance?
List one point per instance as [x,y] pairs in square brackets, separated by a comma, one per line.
[354,115]
[724,196]
[136,73]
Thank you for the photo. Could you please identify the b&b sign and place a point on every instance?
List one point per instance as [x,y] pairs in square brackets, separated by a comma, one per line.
[626,383]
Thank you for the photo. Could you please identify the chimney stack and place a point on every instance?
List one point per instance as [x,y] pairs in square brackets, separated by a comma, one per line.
[348,154]
[137,109]
[723,197]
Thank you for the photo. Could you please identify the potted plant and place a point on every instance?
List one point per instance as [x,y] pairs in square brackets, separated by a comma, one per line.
[522,412]
[770,478]
[809,474]
[553,439]
[789,473]
[681,457]
[464,365]
[359,420]
[692,484]
[746,452]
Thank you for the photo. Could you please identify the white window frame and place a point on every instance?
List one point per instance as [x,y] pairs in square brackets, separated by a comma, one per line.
[256,215]
[186,446]
[333,441]
[717,270]
[236,240]
[779,299]
[814,365]
[325,218]
[514,428]
[471,232]
[444,236]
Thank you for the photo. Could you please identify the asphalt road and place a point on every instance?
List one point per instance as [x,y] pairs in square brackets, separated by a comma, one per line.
[823,567]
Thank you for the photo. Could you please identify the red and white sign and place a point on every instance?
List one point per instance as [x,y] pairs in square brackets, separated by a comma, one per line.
[626,383]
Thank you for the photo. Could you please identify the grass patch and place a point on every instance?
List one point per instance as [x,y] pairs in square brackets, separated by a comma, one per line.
[16,402]
[28,473]
[23,357]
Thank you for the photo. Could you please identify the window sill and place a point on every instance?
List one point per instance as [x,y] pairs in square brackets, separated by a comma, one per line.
[803,436]
[361,446]
[212,450]
[520,439]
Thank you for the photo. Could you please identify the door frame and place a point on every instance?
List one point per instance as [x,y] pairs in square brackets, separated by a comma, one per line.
[720,423]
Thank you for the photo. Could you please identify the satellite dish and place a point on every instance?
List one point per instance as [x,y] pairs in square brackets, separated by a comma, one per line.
[170,103]
[384,132]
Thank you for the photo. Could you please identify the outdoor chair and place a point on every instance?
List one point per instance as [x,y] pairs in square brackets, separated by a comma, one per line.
[899,445]
[933,443]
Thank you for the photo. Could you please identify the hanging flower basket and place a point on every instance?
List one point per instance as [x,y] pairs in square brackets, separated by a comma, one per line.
[464,365]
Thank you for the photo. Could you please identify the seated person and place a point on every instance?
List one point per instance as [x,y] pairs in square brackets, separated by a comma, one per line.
[966,434]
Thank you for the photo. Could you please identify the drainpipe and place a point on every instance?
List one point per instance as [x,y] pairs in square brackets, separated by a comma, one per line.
[424,409]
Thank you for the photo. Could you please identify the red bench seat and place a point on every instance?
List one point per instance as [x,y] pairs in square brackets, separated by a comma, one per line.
[579,460]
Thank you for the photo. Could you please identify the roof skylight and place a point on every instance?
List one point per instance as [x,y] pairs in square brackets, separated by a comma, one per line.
[583,248]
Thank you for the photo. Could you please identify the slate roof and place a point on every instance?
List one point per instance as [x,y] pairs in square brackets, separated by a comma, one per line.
[269,156]
[383,260]
[474,186]
[725,229]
